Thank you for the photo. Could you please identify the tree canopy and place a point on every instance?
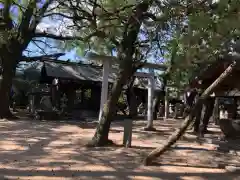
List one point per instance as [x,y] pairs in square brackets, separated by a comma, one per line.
[208,29]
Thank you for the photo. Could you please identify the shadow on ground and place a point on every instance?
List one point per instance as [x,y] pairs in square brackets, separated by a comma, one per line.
[55,150]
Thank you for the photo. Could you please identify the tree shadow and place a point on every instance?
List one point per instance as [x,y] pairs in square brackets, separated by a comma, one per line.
[113,174]
[56,150]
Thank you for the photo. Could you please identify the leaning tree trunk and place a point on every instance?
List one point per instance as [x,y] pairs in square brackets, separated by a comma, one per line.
[100,137]
[126,69]
[131,99]
[176,136]
[8,72]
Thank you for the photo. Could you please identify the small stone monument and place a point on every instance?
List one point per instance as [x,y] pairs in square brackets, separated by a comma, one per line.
[127,135]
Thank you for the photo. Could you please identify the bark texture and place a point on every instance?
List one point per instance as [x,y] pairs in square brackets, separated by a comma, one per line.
[216,111]
[126,70]
[131,99]
[208,111]
[176,135]
[156,104]
[13,41]
[10,52]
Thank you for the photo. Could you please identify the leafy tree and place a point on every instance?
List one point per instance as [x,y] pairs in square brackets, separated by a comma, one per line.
[211,31]
[20,24]
[208,30]
[132,29]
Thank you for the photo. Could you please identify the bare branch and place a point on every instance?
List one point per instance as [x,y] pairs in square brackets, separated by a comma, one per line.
[58,14]
[40,15]
[56,37]
[39,47]
[97,33]
[40,58]
[6,16]
[27,16]
[43,42]
[22,8]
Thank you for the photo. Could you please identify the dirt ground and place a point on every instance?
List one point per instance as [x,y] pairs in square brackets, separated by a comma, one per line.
[55,151]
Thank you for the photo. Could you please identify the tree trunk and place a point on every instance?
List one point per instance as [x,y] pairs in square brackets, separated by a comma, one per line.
[100,137]
[234,116]
[126,69]
[197,118]
[216,111]
[189,101]
[181,110]
[161,110]
[208,111]
[156,104]
[131,99]
[133,104]
[176,136]
[8,72]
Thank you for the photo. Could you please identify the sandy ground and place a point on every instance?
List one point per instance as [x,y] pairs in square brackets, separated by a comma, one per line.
[55,151]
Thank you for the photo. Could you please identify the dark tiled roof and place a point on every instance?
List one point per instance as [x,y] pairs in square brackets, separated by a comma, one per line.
[82,72]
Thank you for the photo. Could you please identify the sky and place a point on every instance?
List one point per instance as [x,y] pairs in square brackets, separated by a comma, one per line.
[54,26]
[69,55]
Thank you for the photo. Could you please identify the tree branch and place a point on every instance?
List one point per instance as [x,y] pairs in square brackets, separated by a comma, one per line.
[26,18]
[97,33]
[41,58]
[58,14]
[40,15]
[56,37]
[6,15]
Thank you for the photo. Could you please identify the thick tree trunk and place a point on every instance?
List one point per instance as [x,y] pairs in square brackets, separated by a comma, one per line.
[234,116]
[132,104]
[181,110]
[8,72]
[197,118]
[131,99]
[189,101]
[100,137]
[176,136]
[126,69]
[161,110]
[208,111]
[216,111]
[156,105]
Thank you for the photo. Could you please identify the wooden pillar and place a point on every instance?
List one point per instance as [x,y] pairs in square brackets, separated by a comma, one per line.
[104,90]
[151,87]
[166,115]
[32,104]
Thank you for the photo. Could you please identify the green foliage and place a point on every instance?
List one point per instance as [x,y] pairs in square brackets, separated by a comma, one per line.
[207,30]
[107,21]
[88,94]
[184,36]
